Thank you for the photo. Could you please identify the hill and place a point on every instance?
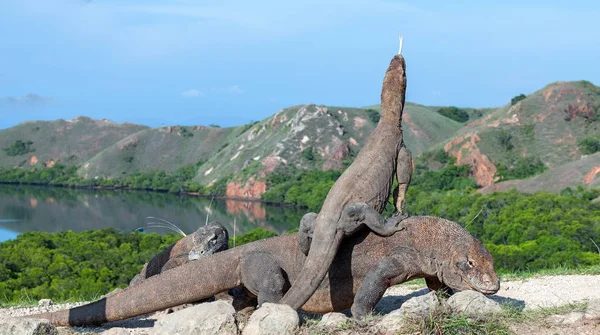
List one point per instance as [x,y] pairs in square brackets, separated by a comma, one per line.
[72,142]
[583,172]
[543,130]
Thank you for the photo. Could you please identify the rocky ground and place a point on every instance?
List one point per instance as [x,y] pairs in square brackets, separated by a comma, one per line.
[546,305]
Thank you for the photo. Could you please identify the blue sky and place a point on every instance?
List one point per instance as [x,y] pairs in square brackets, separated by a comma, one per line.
[232,62]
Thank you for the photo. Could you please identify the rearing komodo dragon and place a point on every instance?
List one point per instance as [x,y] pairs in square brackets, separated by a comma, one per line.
[368,179]
[440,251]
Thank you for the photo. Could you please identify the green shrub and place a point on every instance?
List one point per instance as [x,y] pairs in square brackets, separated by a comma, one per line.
[251,236]
[19,148]
[589,145]
[454,113]
[373,115]
[520,168]
[516,99]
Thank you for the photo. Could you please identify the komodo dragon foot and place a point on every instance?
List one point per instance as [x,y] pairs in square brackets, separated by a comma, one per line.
[354,216]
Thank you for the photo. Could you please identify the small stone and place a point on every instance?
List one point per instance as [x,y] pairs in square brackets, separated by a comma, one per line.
[421,306]
[392,323]
[45,302]
[273,319]
[565,319]
[208,318]
[593,309]
[473,303]
[333,320]
[14,326]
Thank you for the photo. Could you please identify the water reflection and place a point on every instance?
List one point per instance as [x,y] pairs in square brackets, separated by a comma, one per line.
[32,208]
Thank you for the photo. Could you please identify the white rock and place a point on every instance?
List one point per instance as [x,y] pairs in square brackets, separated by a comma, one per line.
[565,319]
[45,302]
[593,309]
[272,319]
[472,303]
[16,326]
[392,323]
[209,318]
[421,306]
[333,320]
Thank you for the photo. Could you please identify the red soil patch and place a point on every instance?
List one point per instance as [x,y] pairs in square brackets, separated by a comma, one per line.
[250,190]
[592,174]
[481,166]
[33,160]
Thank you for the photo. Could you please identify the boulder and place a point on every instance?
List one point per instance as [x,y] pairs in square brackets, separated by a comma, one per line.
[593,309]
[45,302]
[333,320]
[392,323]
[472,303]
[421,306]
[14,326]
[208,318]
[272,319]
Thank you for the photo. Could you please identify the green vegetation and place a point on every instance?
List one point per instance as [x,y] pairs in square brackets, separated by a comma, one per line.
[373,115]
[80,266]
[589,145]
[177,181]
[517,98]
[19,148]
[520,168]
[454,113]
[300,188]
[308,154]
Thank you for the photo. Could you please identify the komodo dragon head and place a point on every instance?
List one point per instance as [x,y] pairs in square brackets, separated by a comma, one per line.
[208,240]
[468,265]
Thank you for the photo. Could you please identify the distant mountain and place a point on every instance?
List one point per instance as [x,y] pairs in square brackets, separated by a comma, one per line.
[545,125]
[71,142]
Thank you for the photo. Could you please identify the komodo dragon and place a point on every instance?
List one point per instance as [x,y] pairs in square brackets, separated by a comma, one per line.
[436,249]
[205,241]
[368,179]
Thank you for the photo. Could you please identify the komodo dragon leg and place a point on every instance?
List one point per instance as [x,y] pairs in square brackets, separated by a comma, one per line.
[404,171]
[354,216]
[388,271]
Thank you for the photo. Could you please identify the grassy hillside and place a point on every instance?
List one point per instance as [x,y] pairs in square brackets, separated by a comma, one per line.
[70,142]
[544,127]
[584,172]
[552,127]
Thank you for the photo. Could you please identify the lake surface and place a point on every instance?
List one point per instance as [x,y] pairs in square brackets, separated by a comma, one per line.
[50,209]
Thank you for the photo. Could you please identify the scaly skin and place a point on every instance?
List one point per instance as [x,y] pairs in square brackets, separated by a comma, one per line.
[205,241]
[368,179]
[433,248]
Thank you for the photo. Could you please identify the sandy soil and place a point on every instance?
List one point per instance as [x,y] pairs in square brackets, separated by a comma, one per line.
[550,291]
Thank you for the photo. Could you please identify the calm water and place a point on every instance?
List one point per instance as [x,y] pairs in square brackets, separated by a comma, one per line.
[33,208]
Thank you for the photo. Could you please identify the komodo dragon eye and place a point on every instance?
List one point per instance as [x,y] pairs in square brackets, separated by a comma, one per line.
[471,264]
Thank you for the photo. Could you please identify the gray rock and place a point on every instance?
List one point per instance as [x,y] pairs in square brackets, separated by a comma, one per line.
[272,319]
[392,323]
[565,319]
[209,318]
[45,302]
[421,306]
[473,304]
[333,320]
[26,327]
[593,309]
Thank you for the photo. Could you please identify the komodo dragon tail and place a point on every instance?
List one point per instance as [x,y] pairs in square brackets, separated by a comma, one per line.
[314,269]
[188,283]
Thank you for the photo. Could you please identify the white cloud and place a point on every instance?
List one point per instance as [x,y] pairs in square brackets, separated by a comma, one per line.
[192,93]
[235,89]
[27,100]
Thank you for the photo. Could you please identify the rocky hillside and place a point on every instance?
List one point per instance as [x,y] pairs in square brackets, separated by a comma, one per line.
[72,142]
[546,125]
